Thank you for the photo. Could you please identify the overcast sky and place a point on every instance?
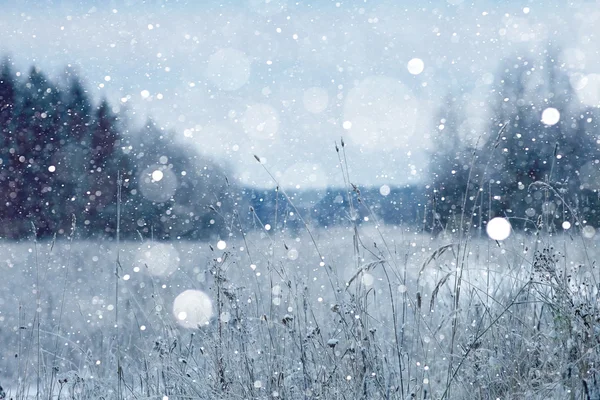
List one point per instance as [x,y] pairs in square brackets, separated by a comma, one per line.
[285,79]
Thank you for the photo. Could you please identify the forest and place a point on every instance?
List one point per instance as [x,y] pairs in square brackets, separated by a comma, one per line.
[536,171]
[66,160]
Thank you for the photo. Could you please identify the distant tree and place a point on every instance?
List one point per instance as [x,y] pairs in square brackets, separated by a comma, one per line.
[530,169]
[192,194]
[8,93]
[107,162]
[456,169]
[520,160]
[79,112]
[7,100]
[535,153]
[63,156]
[36,137]
[72,160]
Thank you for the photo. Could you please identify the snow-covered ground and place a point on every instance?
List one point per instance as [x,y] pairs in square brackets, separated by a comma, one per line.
[230,316]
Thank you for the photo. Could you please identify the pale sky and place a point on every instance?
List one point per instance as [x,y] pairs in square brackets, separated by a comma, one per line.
[285,80]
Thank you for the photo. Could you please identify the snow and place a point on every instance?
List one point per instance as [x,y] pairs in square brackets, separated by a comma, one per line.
[415,66]
[550,116]
[368,279]
[225,317]
[193,308]
[158,184]
[293,254]
[588,231]
[498,228]
[158,259]
[157,175]
[587,88]
[191,303]
[384,190]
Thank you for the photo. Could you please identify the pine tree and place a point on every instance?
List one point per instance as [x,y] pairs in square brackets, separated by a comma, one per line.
[8,92]
[454,170]
[190,195]
[107,163]
[37,130]
[73,159]
[535,154]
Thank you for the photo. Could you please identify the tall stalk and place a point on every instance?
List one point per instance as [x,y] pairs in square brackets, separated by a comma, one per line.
[117,266]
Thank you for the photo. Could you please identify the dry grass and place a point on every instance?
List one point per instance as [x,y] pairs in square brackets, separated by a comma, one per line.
[375,322]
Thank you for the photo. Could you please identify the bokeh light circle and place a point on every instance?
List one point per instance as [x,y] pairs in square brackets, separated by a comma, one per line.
[158,259]
[192,309]
[158,183]
[498,228]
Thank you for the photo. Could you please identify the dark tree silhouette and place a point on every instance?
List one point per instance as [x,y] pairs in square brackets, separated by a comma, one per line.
[537,156]
[62,156]
[456,170]
[195,207]
[532,168]
[37,133]
[8,93]
[108,168]
[72,160]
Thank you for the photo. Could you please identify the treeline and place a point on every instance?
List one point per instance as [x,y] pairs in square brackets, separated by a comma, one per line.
[66,160]
[332,207]
[538,173]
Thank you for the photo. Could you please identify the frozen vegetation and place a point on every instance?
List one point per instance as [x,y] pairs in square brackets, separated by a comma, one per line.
[376,312]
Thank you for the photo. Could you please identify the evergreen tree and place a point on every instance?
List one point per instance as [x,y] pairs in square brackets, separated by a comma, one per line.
[107,163]
[37,131]
[8,91]
[72,161]
[61,156]
[79,112]
[535,153]
[455,170]
[191,195]
[532,167]
[519,153]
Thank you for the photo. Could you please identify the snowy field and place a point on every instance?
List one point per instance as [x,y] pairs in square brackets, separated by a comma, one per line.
[372,313]
[367,200]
